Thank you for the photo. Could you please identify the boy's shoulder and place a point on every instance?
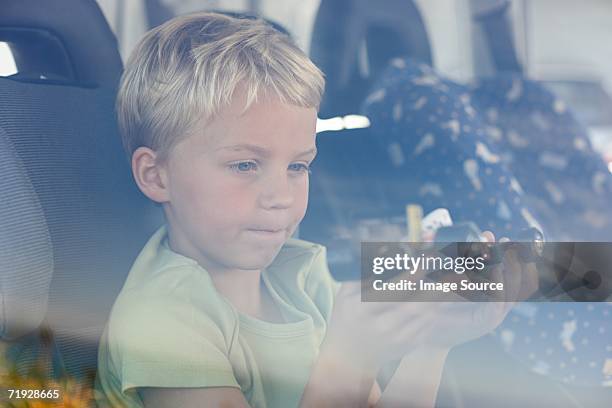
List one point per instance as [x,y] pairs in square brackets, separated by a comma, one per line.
[302,265]
[295,247]
[299,256]
[168,279]
[156,260]
[167,283]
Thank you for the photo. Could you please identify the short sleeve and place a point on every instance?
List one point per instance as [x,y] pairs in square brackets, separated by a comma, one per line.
[168,344]
[320,284]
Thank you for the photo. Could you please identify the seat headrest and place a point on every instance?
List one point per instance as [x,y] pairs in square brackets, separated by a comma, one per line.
[61,39]
[236,14]
[158,13]
[387,28]
[482,8]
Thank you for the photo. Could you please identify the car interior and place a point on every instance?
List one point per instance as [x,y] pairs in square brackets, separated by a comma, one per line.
[74,243]
[72,220]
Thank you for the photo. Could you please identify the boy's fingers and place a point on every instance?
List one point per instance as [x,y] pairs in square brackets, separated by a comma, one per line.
[530,281]
[497,275]
[488,236]
[512,275]
[468,321]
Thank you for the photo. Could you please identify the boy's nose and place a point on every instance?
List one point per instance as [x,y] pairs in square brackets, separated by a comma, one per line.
[277,192]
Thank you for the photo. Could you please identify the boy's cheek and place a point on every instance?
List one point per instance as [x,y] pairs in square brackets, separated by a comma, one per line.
[298,219]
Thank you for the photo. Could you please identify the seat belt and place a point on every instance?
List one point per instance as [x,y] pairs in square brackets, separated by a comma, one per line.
[492,16]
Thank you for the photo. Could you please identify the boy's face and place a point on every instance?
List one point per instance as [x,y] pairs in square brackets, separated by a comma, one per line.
[238,188]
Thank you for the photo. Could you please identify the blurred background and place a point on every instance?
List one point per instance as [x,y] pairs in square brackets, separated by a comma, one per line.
[560,42]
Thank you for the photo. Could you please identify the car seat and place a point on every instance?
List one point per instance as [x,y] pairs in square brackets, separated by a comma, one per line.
[352,41]
[350,183]
[438,138]
[47,40]
[567,183]
[424,125]
[74,218]
[560,349]
[568,187]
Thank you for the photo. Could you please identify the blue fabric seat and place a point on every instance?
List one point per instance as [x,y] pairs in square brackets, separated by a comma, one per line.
[436,137]
[72,218]
[431,128]
[426,145]
[569,188]
[567,184]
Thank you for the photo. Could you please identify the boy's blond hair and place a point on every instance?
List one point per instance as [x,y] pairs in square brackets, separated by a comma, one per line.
[182,72]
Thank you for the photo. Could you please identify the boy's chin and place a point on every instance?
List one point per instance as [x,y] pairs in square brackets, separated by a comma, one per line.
[259,258]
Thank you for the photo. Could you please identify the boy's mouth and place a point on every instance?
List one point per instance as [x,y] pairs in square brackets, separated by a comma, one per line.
[268,231]
[273,233]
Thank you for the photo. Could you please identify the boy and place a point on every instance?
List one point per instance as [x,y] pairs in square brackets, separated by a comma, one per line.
[222,307]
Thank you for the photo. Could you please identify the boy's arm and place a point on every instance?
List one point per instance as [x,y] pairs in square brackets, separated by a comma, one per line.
[219,397]
[214,397]
[339,380]
[375,394]
[415,382]
[335,382]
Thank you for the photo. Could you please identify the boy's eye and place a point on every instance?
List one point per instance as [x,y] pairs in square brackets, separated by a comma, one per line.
[300,167]
[244,167]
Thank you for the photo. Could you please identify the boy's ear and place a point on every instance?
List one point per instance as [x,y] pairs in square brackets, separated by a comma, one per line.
[149,174]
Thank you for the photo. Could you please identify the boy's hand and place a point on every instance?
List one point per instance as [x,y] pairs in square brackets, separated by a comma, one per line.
[363,335]
[370,333]
[459,322]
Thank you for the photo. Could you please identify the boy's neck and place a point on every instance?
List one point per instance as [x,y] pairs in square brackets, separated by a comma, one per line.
[241,287]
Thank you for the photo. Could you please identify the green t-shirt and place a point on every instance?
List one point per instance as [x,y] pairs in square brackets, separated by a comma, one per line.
[169,327]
